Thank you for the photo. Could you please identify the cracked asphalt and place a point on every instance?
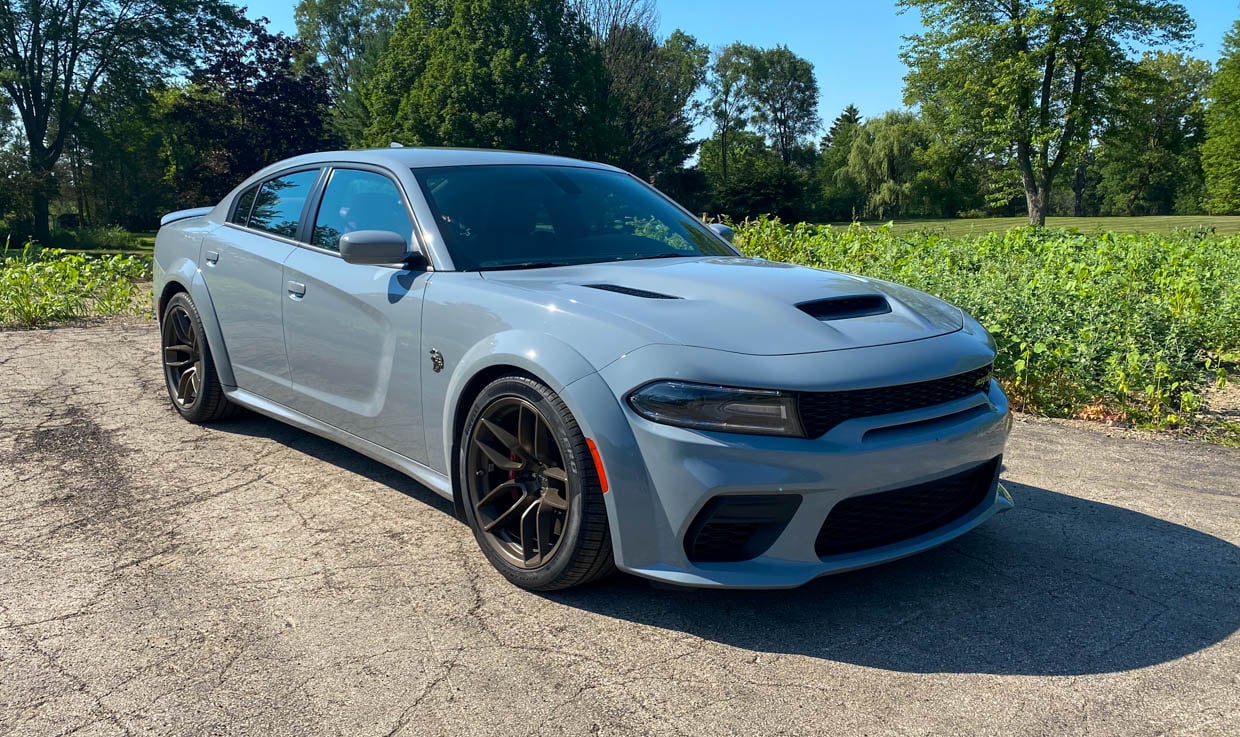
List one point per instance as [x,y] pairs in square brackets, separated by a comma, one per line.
[252,579]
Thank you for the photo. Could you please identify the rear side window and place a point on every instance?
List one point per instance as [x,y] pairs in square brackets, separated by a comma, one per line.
[277,208]
[359,200]
[245,200]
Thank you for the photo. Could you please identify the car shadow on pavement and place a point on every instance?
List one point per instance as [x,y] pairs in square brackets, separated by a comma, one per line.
[258,426]
[1059,586]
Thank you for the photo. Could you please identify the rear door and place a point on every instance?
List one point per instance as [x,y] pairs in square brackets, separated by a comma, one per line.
[353,332]
[242,264]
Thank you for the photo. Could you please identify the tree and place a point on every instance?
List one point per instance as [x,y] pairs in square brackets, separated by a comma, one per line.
[649,89]
[251,104]
[784,95]
[883,161]
[760,182]
[648,86]
[728,104]
[55,54]
[1032,75]
[1220,155]
[518,74]
[840,196]
[1149,159]
[604,15]
[850,116]
[116,159]
[347,37]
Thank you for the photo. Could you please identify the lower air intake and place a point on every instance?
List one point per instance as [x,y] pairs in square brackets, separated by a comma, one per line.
[873,520]
[732,528]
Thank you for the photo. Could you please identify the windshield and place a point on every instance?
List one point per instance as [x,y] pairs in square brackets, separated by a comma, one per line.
[505,217]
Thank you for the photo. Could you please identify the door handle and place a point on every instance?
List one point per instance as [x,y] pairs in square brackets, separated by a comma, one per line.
[296,289]
[213,257]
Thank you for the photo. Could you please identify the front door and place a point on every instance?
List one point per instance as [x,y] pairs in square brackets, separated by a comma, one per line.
[353,331]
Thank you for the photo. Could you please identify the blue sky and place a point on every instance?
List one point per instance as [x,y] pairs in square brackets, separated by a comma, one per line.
[853,44]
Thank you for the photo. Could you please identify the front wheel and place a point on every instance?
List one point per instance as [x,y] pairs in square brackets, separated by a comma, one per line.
[531,492]
[189,369]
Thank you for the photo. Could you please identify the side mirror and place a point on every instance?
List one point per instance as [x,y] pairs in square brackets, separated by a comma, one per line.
[722,231]
[373,247]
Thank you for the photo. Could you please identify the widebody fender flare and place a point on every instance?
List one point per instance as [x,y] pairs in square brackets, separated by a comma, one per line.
[594,406]
[186,273]
[549,359]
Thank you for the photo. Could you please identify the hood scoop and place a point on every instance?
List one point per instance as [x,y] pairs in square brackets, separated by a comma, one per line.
[844,308]
[644,294]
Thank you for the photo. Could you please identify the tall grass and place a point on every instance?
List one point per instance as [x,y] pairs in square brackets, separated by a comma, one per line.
[1105,325]
[39,286]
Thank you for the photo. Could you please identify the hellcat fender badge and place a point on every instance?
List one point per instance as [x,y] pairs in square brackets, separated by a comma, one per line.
[436,361]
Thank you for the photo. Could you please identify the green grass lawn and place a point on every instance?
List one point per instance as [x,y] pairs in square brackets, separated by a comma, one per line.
[1222,224]
[143,245]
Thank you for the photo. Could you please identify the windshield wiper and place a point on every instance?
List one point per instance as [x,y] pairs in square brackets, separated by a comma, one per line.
[522,265]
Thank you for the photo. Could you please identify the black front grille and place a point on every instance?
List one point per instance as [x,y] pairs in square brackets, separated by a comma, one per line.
[821,411]
[874,520]
[731,528]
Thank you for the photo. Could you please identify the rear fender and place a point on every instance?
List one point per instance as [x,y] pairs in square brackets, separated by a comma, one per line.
[184,272]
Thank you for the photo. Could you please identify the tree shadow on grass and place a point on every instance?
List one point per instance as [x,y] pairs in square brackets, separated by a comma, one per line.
[1060,586]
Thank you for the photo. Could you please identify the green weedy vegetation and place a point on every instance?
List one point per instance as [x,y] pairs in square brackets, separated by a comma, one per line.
[42,286]
[1097,326]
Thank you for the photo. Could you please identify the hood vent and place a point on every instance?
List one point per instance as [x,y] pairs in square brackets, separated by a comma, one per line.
[630,291]
[843,308]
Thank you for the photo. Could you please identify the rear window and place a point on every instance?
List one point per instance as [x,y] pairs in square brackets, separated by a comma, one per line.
[279,204]
[241,211]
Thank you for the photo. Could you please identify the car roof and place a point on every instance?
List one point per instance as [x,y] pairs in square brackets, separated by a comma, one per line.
[417,158]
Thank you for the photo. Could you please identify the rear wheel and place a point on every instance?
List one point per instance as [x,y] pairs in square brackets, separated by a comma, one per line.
[189,370]
[531,492]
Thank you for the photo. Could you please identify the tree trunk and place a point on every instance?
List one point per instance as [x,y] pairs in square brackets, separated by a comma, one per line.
[41,208]
[40,196]
[1078,191]
[1036,201]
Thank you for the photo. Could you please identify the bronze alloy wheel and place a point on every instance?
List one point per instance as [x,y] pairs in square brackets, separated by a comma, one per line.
[516,482]
[189,369]
[182,357]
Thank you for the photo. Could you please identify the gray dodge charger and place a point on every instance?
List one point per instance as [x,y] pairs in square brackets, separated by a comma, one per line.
[594,377]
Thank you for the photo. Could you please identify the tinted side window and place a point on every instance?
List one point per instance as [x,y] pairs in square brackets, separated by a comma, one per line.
[245,200]
[359,200]
[277,209]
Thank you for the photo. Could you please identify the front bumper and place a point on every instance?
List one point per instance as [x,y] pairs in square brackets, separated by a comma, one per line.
[661,477]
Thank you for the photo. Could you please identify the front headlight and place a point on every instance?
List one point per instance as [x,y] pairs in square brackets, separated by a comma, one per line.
[718,408]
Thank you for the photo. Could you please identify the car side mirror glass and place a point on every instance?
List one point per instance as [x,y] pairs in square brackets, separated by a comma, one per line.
[374,247]
[723,231]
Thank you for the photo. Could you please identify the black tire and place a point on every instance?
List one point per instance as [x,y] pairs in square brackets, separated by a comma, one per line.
[189,369]
[582,551]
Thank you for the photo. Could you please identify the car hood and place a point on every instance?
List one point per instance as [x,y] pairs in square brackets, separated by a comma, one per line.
[742,305]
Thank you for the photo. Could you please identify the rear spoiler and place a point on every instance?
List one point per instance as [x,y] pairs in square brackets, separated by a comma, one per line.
[172,217]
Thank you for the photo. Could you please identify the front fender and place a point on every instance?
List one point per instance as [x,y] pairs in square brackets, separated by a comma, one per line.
[186,273]
[551,360]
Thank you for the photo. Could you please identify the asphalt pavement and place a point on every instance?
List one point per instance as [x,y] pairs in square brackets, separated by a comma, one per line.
[251,579]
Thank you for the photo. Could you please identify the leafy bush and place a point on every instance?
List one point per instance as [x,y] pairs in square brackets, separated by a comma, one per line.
[41,286]
[94,238]
[1095,326]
